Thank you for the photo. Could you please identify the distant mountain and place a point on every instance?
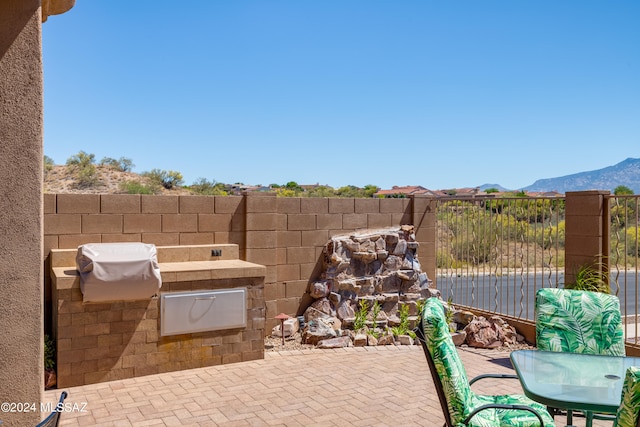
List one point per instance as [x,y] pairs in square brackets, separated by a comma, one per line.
[625,173]
[498,187]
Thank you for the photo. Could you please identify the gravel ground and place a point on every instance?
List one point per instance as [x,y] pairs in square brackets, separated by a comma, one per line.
[290,343]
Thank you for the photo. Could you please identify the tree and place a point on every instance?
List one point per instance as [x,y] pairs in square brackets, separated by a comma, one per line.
[321,191]
[208,188]
[82,166]
[370,190]
[622,190]
[350,191]
[122,164]
[168,179]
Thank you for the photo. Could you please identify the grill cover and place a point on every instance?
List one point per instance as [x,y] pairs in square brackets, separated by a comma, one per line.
[118,271]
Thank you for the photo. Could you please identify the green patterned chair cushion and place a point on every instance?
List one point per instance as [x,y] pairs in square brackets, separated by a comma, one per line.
[508,417]
[445,357]
[629,409]
[578,322]
[461,400]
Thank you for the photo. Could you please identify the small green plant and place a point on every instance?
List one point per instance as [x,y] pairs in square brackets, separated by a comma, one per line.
[360,320]
[448,316]
[403,327]
[375,311]
[49,353]
[420,305]
[591,277]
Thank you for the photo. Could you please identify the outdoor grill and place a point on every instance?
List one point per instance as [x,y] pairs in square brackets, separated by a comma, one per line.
[118,271]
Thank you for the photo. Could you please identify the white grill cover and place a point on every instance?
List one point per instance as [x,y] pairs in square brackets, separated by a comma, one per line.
[118,271]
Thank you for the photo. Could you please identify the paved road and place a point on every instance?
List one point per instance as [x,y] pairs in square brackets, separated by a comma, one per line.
[514,294]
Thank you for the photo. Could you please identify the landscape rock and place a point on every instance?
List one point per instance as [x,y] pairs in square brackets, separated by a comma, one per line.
[386,339]
[371,340]
[378,271]
[463,318]
[481,334]
[320,289]
[337,342]
[405,340]
[459,338]
[317,330]
[360,340]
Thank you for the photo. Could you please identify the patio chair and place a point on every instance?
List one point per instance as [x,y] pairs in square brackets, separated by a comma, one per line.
[629,411]
[54,418]
[576,321]
[460,405]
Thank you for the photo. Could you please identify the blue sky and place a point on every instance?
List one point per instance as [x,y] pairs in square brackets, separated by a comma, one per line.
[441,93]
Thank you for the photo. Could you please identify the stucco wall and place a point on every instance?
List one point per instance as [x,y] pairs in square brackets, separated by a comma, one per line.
[21,342]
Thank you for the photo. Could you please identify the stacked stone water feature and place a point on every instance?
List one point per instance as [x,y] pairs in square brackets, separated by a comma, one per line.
[359,270]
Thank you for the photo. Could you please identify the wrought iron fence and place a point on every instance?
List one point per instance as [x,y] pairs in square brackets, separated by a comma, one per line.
[624,260]
[493,254]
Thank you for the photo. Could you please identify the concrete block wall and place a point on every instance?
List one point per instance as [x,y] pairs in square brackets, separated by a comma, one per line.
[286,235]
[116,340]
[105,341]
[587,221]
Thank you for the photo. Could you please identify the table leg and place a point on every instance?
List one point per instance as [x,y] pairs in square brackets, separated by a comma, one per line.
[589,417]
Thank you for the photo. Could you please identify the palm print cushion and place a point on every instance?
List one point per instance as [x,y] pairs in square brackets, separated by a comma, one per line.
[630,407]
[578,322]
[461,400]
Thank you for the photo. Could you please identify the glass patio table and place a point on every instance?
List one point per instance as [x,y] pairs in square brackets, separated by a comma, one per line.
[585,382]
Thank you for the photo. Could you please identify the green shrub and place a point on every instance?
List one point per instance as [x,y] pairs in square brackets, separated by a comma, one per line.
[286,192]
[49,353]
[136,187]
[633,234]
[321,191]
[550,236]
[122,164]
[591,277]
[82,166]
[48,164]
[208,188]
[167,179]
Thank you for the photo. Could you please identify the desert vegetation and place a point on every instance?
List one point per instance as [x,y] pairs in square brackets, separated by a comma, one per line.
[519,232]
[84,174]
[502,233]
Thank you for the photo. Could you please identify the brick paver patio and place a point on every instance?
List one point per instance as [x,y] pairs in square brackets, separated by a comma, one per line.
[367,386]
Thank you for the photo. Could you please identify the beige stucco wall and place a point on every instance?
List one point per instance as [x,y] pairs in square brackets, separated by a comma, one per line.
[21,278]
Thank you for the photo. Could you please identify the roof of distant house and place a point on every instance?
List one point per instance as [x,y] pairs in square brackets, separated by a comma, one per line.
[406,190]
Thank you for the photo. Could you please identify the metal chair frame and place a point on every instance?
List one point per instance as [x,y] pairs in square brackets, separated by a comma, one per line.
[54,418]
[440,391]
